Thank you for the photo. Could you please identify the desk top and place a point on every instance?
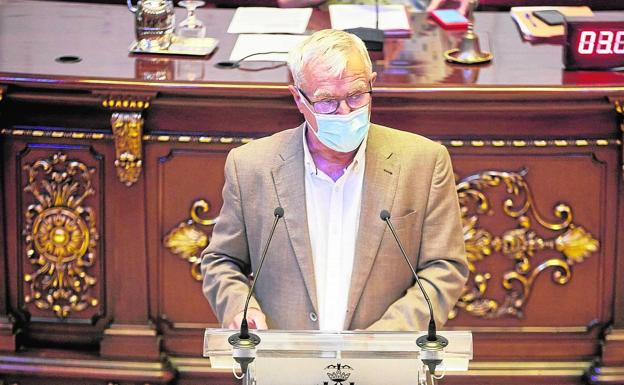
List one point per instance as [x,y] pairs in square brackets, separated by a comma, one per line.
[33,34]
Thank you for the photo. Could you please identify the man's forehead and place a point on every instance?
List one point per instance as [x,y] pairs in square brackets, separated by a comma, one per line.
[324,83]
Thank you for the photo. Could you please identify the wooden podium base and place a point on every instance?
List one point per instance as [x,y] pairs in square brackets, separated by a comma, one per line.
[131,341]
[7,335]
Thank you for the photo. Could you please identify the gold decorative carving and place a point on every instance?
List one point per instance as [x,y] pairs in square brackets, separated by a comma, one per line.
[520,244]
[61,235]
[128,132]
[56,134]
[243,140]
[187,240]
[135,101]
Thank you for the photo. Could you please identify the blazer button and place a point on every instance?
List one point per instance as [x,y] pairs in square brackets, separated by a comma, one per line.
[313,316]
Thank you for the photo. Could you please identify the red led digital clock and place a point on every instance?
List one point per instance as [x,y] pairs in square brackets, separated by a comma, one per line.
[595,42]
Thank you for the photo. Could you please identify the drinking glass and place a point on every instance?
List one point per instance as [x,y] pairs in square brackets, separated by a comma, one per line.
[191,26]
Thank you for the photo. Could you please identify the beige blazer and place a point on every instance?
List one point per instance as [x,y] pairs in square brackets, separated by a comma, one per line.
[406,174]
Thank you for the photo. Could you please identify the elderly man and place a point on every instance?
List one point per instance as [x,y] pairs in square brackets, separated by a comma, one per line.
[332,264]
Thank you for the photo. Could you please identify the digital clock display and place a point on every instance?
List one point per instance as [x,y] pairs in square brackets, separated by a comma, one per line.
[595,42]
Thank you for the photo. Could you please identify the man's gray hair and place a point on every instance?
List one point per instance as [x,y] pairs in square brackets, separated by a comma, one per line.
[327,49]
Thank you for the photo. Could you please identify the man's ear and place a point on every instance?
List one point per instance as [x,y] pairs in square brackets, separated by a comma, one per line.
[297,96]
[373,78]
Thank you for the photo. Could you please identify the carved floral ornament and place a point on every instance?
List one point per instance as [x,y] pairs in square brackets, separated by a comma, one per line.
[60,235]
[520,245]
[188,239]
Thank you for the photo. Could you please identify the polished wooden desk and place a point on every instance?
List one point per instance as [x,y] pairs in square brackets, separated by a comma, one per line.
[112,175]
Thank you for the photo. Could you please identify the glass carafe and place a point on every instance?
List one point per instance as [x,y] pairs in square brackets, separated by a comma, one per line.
[154,22]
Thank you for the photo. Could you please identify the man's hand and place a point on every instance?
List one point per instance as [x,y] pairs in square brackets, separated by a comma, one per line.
[462,8]
[255,319]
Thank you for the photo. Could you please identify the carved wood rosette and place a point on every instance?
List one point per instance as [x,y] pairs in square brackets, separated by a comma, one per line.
[61,236]
[188,239]
[520,244]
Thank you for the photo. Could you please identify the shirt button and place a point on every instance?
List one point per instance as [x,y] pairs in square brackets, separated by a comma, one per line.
[313,316]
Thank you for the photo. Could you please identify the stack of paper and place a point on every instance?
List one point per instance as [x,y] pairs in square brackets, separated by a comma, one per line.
[533,28]
[262,32]
[393,18]
[264,47]
[270,20]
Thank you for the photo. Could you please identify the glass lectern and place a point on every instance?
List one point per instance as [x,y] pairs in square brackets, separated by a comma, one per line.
[331,358]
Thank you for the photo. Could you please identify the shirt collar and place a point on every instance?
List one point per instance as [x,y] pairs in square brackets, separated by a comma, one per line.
[310,166]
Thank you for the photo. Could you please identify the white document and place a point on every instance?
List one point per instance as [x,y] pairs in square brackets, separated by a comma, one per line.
[392,17]
[270,20]
[256,43]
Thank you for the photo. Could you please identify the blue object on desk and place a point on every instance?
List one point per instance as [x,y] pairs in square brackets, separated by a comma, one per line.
[449,18]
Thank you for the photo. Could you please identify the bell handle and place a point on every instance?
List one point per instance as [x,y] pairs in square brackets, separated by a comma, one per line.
[131,7]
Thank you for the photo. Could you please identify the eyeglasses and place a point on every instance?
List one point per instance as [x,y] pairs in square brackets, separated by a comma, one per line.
[329,106]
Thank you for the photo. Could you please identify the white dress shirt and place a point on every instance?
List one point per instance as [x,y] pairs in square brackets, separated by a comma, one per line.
[333,210]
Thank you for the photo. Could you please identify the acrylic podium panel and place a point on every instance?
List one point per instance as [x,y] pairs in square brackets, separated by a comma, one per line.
[314,357]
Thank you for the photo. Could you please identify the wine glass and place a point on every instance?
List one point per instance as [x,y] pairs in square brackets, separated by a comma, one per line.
[191,26]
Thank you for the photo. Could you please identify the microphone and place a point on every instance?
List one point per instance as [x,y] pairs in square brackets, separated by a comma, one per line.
[432,343]
[373,38]
[244,343]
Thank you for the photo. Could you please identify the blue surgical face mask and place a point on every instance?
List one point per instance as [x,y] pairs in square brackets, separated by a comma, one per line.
[342,133]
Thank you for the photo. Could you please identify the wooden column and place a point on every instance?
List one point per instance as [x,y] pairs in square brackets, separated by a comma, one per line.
[132,334]
[610,367]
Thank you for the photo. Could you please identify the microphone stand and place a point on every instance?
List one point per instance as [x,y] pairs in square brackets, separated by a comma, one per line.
[373,38]
[244,343]
[231,64]
[432,343]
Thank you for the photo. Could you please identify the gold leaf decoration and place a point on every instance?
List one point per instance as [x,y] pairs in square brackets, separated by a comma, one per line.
[576,244]
[520,245]
[60,235]
[128,135]
[187,240]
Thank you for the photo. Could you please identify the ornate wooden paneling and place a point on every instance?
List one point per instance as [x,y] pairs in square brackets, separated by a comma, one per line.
[57,262]
[186,183]
[533,235]
[112,172]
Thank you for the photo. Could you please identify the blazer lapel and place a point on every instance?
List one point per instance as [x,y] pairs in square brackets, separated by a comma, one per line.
[288,177]
[380,183]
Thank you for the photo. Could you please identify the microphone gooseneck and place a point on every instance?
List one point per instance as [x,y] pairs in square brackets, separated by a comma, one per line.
[244,342]
[231,64]
[432,343]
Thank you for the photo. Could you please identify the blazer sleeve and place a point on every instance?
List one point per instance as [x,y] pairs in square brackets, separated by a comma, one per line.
[442,266]
[225,260]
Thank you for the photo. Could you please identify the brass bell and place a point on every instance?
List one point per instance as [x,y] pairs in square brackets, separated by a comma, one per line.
[469,51]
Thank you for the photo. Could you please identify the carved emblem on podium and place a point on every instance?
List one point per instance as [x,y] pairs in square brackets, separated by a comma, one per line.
[520,245]
[60,234]
[188,239]
[338,374]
